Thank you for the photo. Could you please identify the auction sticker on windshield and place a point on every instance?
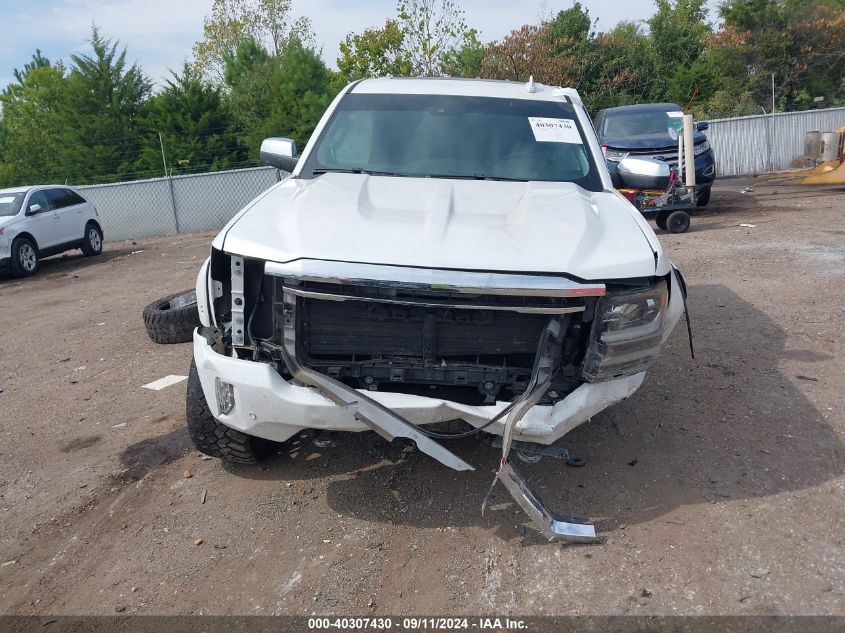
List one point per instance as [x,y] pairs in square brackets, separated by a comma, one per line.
[554,130]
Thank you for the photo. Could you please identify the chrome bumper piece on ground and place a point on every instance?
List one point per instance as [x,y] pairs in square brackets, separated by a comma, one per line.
[549,524]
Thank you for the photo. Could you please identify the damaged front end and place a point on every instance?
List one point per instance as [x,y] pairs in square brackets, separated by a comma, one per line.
[355,331]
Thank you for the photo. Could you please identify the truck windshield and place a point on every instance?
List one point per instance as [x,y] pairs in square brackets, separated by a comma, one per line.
[625,125]
[10,203]
[439,136]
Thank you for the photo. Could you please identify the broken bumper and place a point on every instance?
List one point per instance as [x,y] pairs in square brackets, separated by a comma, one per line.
[268,406]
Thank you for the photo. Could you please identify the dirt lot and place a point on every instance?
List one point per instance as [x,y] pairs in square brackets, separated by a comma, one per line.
[718,487]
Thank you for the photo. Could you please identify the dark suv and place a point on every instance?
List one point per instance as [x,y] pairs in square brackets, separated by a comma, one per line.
[648,130]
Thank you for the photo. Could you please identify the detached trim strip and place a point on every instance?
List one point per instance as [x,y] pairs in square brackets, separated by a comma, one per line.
[459,281]
[310,294]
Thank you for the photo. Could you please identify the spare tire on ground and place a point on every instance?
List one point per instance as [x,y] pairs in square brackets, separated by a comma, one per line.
[173,319]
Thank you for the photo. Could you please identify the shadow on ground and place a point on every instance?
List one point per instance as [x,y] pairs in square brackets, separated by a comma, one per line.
[152,452]
[70,263]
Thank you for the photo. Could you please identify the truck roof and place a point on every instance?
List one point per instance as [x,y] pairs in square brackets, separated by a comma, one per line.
[465,87]
[642,107]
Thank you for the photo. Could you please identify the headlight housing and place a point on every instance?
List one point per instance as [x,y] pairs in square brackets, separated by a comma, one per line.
[614,154]
[701,148]
[627,332]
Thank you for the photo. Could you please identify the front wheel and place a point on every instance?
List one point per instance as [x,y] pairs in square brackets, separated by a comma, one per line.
[703,198]
[92,243]
[678,222]
[213,438]
[24,258]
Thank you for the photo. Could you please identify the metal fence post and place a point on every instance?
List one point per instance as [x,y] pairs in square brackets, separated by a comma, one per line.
[173,203]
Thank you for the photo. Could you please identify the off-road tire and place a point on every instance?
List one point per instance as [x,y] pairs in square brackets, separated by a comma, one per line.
[213,438]
[92,241]
[170,324]
[23,247]
[678,222]
[660,220]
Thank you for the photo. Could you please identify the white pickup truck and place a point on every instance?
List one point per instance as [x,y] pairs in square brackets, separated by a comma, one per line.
[442,249]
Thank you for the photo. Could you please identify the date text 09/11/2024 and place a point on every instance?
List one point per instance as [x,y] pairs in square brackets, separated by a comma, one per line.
[417,624]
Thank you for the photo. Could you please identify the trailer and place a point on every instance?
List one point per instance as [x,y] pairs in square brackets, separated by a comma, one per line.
[671,208]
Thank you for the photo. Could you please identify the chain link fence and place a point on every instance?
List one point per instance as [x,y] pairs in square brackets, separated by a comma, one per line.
[181,204]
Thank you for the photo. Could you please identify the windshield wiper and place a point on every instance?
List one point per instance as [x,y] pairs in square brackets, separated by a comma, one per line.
[355,170]
[373,172]
[471,177]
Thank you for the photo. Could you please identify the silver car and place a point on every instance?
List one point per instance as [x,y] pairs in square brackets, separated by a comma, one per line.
[39,221]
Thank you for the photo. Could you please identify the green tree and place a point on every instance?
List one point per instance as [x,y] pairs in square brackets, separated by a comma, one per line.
[33,126]
[571,30]
[38,61]
[800,41]
[281,96]
[105,97]
[247,54]
[679,31]
[195,125]
[694,84]
[467,59]
[375,53]
[622,69]
[726,103]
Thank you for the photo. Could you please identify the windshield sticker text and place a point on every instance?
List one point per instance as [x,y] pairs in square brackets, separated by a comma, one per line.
[554,130]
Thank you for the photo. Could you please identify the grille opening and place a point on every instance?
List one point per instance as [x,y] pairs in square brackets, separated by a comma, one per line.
[474,356]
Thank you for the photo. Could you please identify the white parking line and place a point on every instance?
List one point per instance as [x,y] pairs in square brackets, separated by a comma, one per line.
[167,381]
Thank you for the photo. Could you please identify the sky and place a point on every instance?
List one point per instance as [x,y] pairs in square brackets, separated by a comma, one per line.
[159,34]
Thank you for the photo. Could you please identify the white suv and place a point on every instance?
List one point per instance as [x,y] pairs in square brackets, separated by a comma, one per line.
[443,249]
[37,222]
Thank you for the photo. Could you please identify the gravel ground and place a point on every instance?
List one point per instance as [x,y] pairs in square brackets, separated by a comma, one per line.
[718,487]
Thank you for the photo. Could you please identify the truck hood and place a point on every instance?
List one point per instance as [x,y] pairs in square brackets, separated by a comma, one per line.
[446,223]
[649,142]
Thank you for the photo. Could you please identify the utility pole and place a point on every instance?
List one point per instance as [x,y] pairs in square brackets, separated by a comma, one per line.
[169,185]
[773,93]
[164,161]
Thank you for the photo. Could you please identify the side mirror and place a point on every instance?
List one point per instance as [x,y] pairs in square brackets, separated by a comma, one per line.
[33,209]
[643,173]
[279,153]
[702,125]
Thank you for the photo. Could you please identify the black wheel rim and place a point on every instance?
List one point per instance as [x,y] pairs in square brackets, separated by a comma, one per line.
[678,224]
